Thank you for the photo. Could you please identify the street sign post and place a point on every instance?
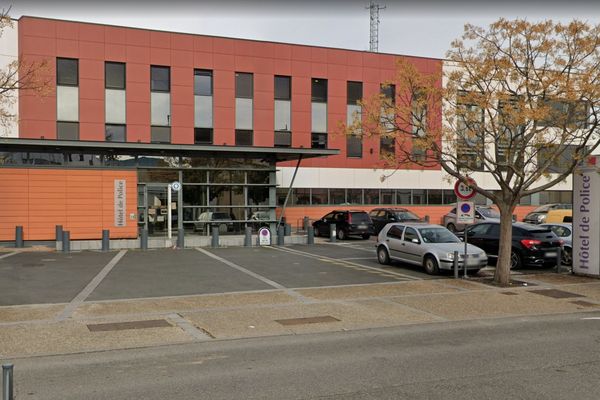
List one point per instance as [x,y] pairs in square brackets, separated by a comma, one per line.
[465,211]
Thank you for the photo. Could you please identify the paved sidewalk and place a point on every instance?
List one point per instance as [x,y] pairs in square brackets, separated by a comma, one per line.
[115,324]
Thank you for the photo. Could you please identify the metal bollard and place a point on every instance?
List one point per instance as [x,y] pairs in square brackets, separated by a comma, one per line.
[19,237]
[66,241]
[287,230]
[332,233]
[7,382]
[180,238]
[280,235]
[455,265]
[305,223]
[105,239]
[310,239]
[248,237]
[144,239]
[558,259]
[58,232]
[215,237]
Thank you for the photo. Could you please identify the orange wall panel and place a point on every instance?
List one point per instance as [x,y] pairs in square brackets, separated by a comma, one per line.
[82,201]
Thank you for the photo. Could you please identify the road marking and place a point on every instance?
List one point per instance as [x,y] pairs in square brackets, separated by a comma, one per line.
[9,254]
[255,275]
[84,294]
[188,327]
[348,263]
[591,318]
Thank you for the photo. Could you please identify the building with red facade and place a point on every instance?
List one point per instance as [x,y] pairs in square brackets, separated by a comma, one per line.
[131,111]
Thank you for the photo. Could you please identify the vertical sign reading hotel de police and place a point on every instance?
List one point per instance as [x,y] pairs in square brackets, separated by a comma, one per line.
[586,220]
[120,191]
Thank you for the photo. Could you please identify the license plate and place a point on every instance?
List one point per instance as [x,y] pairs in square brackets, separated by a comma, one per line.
[551,254]
[472,261]
[362,227]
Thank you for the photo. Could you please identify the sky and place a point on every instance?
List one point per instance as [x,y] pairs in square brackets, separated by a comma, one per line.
[421,28]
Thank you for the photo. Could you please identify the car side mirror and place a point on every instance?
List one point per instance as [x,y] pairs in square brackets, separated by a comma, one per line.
[478,217]
[415,241]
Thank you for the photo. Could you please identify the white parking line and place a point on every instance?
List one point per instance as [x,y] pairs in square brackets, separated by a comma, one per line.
[9,254]
[80,298]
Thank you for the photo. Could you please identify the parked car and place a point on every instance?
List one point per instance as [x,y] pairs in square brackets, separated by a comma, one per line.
[431,246]
[209,219]
[383,216]
[559,215]
[347,223]
[539,215]
[565,232]
[482,213]
[532,245]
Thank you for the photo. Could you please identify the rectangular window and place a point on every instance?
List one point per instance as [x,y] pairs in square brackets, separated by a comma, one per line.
[114,75]
[243,137]
[283,87]
[319,117]
[203,135]
[67,72]
[470,119]
[115,133]
[559,162]
[283,139]
[67,103]
[160,79]
[353,146]
[203,82]
[559,113]
[337,196]
[388,196]
[403,196]
[418,196]
[319,140]
[434,196]
[319,196]
[353,113]
[387,146]
[115,106]
[243,85]
[355,196]
[67,130]
[389,93]
[371,196]
[354,93]
[160,134]
[319,90]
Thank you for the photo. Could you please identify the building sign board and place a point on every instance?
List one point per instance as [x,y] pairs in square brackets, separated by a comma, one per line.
[120,202]
[586,221]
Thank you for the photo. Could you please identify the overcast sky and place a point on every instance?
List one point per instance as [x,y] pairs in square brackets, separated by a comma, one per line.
[422,28]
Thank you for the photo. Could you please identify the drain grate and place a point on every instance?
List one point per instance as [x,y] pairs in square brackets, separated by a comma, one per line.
[121,326]
[510,293]
[308,320]
[556,294]
[585,303]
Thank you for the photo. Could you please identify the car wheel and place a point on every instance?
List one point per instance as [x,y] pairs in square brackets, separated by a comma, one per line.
[451,227]
[567,256]
[515,260]
[366,236]
[431,265]
[382,255]
[341,234]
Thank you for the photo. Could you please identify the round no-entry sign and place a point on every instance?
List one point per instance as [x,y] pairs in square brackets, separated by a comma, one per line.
[464,191]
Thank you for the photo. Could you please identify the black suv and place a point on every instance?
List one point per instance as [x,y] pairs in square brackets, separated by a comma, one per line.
[383,216]
[531,244]
[347,223]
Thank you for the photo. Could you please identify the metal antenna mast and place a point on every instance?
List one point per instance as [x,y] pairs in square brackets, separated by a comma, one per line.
[374,33]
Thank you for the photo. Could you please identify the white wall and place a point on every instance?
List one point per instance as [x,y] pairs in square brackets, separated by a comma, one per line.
[8,53]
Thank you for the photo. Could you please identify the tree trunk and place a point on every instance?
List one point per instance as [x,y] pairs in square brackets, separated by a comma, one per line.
[502,275]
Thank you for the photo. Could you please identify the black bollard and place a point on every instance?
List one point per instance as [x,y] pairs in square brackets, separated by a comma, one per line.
[215,236]
[144,239]
[310,235]
[19,237]
[180,238]
[280,235]
[105,239]
[58,232]
[248,237]
[66,242]
[287,230]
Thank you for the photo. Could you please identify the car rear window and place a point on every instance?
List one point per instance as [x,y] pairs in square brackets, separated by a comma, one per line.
[489,212]
[359,217]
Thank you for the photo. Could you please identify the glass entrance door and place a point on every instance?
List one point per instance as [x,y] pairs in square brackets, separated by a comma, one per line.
[156,210]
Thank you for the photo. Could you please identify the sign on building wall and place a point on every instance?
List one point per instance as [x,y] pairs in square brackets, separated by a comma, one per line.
[120,193]
[586,221]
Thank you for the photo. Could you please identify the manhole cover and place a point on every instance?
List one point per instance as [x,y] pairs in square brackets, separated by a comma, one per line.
[556,294]
[585,303]
[121,326]
[308,320]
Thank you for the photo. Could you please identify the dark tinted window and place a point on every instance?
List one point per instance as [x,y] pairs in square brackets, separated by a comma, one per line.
[160,134]
[318,140]
[67,72]
[410,234]
[243,85]
[360,217]
[115,133]
[114,75]
[395,232]
[160,79]
[282,87]
[203,135]
[354,92]
[243,137]
[67,130]
[479,229]
[319,90]
[494,230]
[203,83]
[389,92]
[561,231]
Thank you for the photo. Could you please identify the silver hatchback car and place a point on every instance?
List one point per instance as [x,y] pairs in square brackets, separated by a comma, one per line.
[431,246]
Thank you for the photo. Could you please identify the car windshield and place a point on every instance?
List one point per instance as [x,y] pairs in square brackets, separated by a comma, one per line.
[489,212]
[406,216]
[438,235]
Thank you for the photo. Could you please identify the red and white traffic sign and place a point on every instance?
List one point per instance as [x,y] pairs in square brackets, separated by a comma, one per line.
[464,191]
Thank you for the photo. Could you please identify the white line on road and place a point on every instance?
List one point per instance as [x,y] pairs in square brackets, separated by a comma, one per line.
[9,254]
[591,318]
[80,298]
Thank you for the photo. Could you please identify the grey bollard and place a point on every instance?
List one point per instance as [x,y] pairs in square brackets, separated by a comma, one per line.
[19,237]
[305,223]
[180,238]
[7,382]
[332,233]
[287,230]
[58,232]
[310,235]
[455,265]
[144,239]
[66,241]
[215,237]
[105,240]
[280,235]
[427,218]
[248,237]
